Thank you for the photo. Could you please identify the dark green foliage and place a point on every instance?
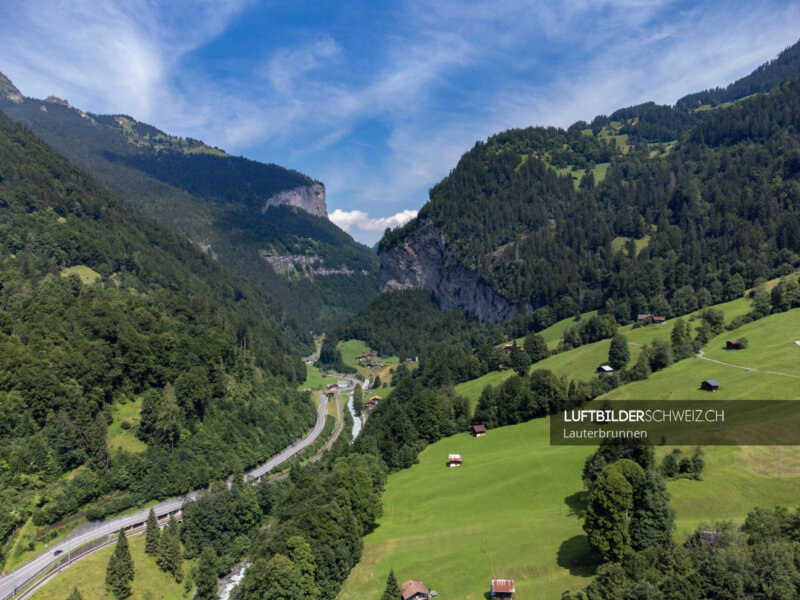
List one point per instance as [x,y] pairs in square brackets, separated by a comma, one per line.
[152,535]
[676,465]
[612,450]
[170,555]
[119,572]
[721,209]
[653,520]
[536,347]
[161,314]
[619,353]
[207,575]
[330,357]
[392,590]
[608,511]
[403,323]
[520,360]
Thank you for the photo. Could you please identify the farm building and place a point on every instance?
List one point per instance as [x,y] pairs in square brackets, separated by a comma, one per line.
[641,318]
[330,393]
[508,347]
[605,369]
[372,403]
[710,385]
[333,386]
[733,345]
[659,319]
[503,588]
[413,589]
[478,430]
[454,460]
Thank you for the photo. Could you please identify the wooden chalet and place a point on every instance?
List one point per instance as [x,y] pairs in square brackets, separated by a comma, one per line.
[659,319]
[605,369]
[330,393]
[414,589]
[333,386]
[508,347]
[710,385]
[503,588]
[454,460]
[372,403]
[641,318]
[478,430]
[733,345]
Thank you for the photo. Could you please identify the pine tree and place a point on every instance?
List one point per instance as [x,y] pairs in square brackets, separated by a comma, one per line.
[152,535]
[207,575]
[618,353]
[392,590]
[170,557]
[168,422]
[119,572]
[653,518]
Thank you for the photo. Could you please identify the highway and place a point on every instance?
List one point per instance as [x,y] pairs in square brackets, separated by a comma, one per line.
[10,584]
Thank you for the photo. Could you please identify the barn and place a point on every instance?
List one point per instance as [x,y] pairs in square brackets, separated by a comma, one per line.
[478,430]
[710,385]
[413,589]
[454,460]
[503,588]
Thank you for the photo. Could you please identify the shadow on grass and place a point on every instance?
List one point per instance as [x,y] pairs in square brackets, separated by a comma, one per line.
[577,504]
[574,554]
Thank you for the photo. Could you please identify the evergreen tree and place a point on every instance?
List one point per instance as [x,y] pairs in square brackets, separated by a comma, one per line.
[619,353]
[170,557]
[168,423]
[653,518]
[377,383]
[119,572]
[520,361]
[392,590]
[152,534]
[681,332]
[207,575]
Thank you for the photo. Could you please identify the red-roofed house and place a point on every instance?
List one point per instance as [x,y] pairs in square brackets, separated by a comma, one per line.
[413,589]
[454,460]
[659,319]
[503,588]
[478,430]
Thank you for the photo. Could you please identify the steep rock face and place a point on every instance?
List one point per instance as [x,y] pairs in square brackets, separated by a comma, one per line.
[9,91]
[422,260]
[311,198]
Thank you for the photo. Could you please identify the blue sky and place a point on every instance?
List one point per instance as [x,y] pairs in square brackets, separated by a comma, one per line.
[378,100]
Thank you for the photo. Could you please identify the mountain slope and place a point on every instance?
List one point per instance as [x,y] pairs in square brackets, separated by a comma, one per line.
[209,362]
[266,222]
[650,209]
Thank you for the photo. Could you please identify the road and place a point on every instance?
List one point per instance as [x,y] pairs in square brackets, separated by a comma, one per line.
[96,530]
[703,356]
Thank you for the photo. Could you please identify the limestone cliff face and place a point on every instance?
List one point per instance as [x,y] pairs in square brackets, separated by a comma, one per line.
[421,260]
[310,198]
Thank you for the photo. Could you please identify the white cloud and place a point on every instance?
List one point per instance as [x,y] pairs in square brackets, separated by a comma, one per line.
[358,219]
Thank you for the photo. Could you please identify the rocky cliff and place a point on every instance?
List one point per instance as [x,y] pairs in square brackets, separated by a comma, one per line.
[311,198]
[421,260]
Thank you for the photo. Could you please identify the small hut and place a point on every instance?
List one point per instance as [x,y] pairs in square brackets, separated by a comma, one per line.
[733,345]
[478,430]
[503,588]
[605,369]
[710,385]
[413,589]
[454,460]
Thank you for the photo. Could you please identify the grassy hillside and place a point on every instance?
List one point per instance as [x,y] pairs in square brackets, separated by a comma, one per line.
[509,511]
[512,510]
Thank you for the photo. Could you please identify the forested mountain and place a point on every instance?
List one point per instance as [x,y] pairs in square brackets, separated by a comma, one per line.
[210,361]
[266,222]
[653,209]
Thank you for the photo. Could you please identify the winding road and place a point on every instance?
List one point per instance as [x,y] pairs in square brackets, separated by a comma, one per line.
[14,581]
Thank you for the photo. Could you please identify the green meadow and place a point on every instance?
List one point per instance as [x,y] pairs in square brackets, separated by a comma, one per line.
[89,574]
[125,439]
[514,510]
